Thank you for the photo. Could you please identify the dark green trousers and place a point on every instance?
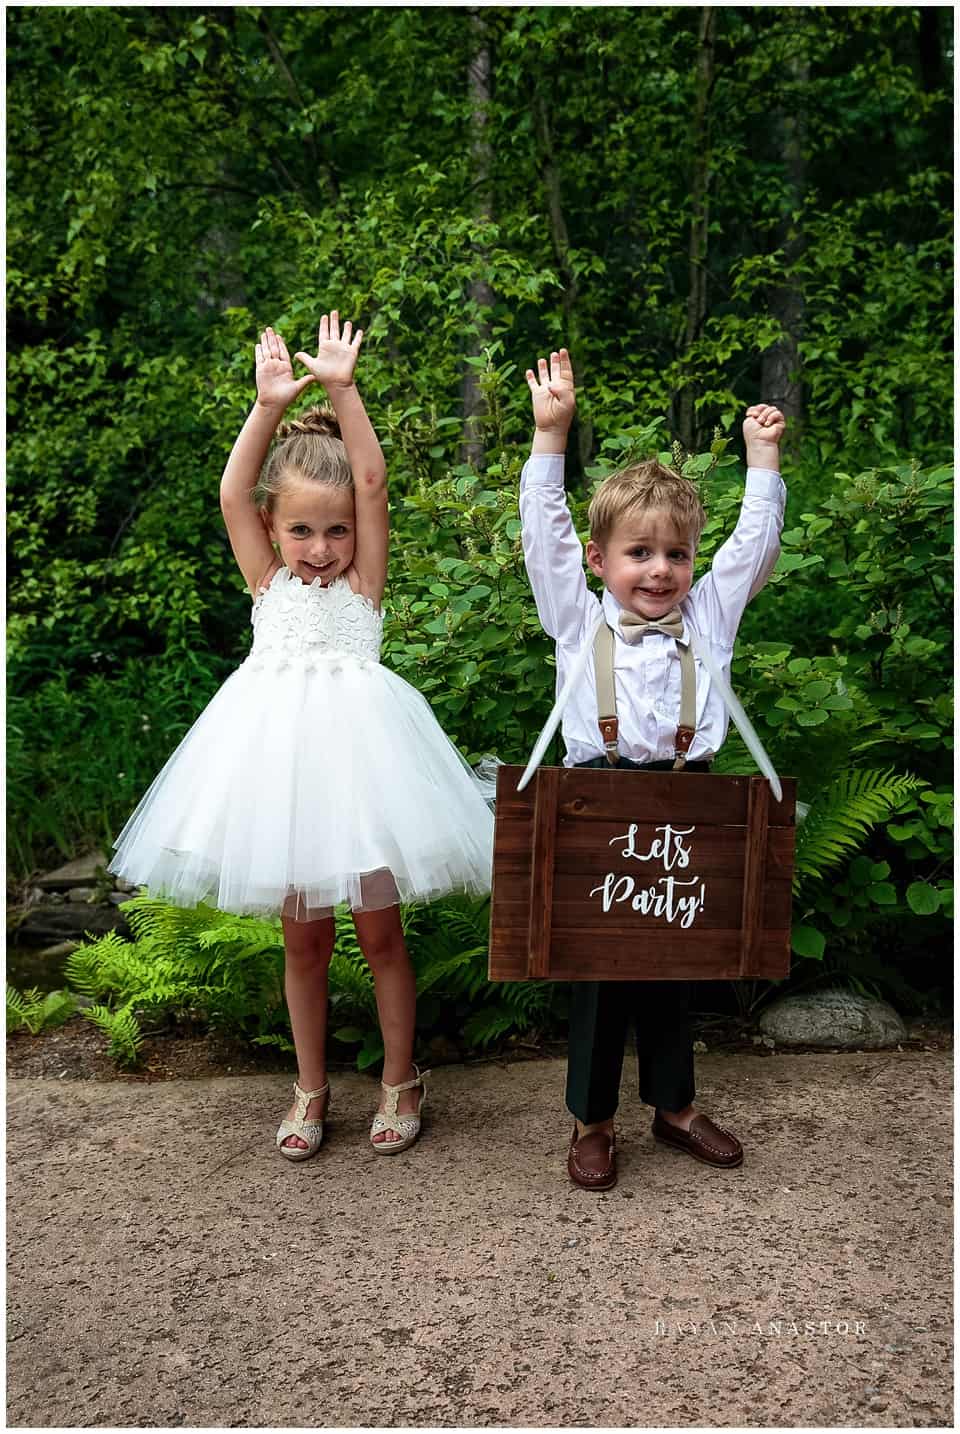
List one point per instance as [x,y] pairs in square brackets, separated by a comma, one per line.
[601,1013]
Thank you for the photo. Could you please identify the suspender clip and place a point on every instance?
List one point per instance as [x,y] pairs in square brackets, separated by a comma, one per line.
[684,737]
[609,728]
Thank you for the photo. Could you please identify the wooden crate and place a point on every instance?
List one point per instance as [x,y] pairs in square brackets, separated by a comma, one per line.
[640,876]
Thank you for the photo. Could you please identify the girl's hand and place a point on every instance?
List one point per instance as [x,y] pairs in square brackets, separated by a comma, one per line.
[276,385]
[553,394]
[336,356]
[763,424]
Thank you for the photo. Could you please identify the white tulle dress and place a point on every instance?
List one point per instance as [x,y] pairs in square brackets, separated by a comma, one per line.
[315,776]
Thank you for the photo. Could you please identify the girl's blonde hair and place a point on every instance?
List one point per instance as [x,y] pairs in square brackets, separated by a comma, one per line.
[641,486]
[308,447]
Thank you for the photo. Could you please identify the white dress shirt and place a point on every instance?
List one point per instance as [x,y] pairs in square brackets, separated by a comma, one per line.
[646,673]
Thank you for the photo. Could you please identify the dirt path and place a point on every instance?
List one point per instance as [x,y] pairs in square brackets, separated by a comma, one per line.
[166,1267]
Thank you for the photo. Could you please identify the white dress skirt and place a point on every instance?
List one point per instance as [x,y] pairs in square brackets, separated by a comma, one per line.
[315,776]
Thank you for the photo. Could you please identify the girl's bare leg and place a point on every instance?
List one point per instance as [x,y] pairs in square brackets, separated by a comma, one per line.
[381,940]
[308,946]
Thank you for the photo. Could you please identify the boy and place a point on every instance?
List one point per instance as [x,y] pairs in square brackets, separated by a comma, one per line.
[645,523]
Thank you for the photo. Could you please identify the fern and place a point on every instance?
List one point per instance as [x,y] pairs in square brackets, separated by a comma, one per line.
[18,1005]
[36,1010]
[230,970]
[55,1008]
[122,1030]
[527,999]
[351,988]
[840,819]
[454,955]
[281,1042]
[98,968]
[488,1024]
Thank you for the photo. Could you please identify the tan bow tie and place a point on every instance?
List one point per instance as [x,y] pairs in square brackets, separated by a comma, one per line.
[633,627]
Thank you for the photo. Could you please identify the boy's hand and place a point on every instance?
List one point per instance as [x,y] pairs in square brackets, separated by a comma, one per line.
[554,401]
[336,356]
[763,429]
[276,385]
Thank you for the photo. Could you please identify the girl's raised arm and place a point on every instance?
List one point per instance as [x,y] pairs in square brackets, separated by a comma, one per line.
[333,366]
[276,390]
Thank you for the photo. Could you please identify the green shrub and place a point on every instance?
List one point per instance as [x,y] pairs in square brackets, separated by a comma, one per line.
[228,972]
[36,1011]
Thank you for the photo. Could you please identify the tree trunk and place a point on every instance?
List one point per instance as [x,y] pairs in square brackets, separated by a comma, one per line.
[930,49]
[561,250]
[479,291]
[699,221]
[780,378]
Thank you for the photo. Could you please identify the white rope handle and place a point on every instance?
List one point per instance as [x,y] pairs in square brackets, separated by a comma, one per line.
[556,712]
[742,722]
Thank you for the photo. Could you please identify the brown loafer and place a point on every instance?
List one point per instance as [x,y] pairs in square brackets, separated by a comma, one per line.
[592,1160]
[706,1141]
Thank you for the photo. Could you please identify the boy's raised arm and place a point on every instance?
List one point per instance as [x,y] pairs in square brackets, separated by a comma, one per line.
[744,562]
[552,551]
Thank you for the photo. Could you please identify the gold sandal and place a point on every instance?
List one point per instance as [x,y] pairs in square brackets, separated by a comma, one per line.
[309,1130]
[406,1126]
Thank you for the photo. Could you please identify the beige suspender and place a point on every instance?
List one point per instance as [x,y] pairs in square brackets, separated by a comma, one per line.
[603,645]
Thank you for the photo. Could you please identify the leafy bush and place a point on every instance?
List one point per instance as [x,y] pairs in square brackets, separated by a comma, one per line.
[81,751]
[122,1029]
[36,1010]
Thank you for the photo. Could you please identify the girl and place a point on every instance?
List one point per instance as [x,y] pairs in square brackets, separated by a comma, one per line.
[316,776]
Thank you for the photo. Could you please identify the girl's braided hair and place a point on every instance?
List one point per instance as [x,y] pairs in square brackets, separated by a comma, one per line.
[308,448]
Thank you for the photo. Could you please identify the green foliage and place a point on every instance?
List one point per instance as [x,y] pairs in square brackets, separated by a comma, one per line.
[452,968]
[833,830]
[227,970]
[81,751]
[840,819]
[122,1029]
[36,1011]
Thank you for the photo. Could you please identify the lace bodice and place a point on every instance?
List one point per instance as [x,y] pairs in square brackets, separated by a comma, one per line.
[306,623]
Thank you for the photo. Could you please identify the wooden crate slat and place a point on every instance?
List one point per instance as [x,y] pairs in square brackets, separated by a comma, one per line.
[754,869]
[547,783]
[685,964]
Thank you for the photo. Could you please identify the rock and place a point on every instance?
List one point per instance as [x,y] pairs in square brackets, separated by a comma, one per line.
[77,894]
[65,921]
[62,948]
[84,870]
[121,885]
[835,1017]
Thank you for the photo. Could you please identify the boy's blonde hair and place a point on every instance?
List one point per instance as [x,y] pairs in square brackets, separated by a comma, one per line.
[308,447]
[641,486]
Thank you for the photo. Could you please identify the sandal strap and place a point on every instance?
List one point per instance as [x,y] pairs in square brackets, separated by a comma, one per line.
[392,1092]
[304,1097]
[406,1084]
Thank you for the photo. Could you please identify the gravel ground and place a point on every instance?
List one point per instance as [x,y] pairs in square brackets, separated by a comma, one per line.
[166,1267]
